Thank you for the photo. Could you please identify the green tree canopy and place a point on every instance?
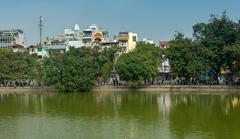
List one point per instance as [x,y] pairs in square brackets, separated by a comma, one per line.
[220,32]
[186,57]
[69,72]
[139,65]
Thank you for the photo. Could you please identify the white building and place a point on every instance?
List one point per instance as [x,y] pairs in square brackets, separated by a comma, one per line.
[127,41]
[88,35]
[75,43]
[11,37]
[47,50]
[165,67]
[148,41]
[71,38]
[69,33]
[73,34]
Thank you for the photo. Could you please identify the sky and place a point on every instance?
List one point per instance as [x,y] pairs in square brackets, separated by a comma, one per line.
[153,19]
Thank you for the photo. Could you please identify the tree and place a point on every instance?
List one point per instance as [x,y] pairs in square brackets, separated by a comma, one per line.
[232,56]
[139,65]
[69,72]
[106,60]
[216,35]
[5,62]
[186,57]
[18,67]
[132,68]
[34,69]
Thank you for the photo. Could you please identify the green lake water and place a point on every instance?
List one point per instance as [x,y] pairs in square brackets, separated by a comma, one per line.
[120,115]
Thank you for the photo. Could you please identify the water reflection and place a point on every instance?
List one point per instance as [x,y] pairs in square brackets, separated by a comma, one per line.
[127,115]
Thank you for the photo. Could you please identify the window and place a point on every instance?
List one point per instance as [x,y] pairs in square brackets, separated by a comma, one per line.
[39,49]
[134,38]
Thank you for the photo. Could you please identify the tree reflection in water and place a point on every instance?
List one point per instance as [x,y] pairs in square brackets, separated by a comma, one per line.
[180,115]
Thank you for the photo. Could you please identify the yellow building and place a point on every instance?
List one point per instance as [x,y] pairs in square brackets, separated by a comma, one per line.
[127,41]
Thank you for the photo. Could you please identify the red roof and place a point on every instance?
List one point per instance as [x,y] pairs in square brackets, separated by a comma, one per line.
[17,46]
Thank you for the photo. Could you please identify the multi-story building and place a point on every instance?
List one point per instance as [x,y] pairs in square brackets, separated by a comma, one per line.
[127,41]
[93,36]
[11,37]
[71,37]
[73,34]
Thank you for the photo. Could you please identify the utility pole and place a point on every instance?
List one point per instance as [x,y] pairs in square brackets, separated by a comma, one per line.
[40,29]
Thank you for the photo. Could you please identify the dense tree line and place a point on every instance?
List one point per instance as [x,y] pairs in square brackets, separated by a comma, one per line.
[19,69]
[79,69]
[212,52]
[75,70]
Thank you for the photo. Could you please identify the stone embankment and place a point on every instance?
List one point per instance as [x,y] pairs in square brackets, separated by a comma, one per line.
[175,88]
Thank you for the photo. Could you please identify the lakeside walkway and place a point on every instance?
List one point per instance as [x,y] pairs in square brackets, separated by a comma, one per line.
[173,88]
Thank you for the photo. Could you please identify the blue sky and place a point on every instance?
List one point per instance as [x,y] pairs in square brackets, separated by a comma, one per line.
[155,19]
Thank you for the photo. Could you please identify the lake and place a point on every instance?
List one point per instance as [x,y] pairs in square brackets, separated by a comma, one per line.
[120,115]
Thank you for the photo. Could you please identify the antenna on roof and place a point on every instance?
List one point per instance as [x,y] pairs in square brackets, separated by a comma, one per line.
[40,29]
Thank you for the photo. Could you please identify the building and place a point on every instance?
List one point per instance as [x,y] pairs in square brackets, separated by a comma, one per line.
[165,68]
[34,49]
[51,49]
[148,41]
[74,43]
[47,50]
[93,36]
[108,44]
[164,44]
[71,38]
[127,41]
[11,37]
[18,48]
[100,37]
[73,34]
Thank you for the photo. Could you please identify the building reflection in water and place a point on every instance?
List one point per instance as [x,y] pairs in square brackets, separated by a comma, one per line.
[235,102]
[164,104]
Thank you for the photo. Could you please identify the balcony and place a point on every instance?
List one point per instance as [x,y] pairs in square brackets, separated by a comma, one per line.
[123,38]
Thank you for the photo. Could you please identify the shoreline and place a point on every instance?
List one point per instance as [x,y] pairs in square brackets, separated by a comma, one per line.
[25,90]
[153,88]
[173,88]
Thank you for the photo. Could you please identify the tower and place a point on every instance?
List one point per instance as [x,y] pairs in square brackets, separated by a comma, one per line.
[40,29]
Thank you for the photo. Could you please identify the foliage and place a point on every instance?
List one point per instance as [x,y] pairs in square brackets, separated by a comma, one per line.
[106,60]
[18,66]
[232,56]
[69,72]
[186,57]
[214,47]
[216,35]
[139,65]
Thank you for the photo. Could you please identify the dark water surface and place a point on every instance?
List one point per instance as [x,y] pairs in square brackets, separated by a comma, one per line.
[125,115]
